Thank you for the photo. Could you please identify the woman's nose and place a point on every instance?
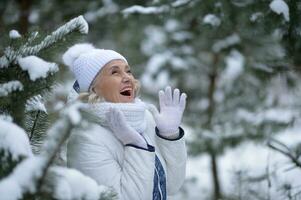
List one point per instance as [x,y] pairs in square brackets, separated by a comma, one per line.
[126,77]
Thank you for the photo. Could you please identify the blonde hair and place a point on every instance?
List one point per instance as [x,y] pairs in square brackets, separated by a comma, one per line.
[92,97]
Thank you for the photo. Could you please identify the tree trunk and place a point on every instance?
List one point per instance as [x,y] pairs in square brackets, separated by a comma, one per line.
[215,177]
[214,165]
[3,6]
[24,8]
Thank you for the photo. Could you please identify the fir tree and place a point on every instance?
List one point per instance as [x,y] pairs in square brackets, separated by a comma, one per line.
[231,57]
[25,78]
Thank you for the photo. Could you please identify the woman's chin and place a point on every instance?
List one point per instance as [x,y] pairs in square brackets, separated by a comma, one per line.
[126,99]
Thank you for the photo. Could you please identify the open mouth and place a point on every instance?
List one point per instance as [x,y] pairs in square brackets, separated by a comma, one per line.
[126,92]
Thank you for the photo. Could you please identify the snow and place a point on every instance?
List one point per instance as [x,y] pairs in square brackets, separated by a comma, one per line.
[6,117]
[156,62]
[278,115]
[22,179]
[153,9]
[154,85]
[71,184]
[178,63]
[178,3]
[60,131]
[155,37]
[262,66]
[144,10]
[252,159]
[278,91]
[36,104]
[37,67]
[3,62]
[280,7]
[28,171]
[84,27]
[153,66]
[255,16]
[10,189]
[225,43]
[74,114]
[171,25]
[211,19]
[14,140]
[9,87]
[14,34]
[108,8]
[234,66]
[34,16]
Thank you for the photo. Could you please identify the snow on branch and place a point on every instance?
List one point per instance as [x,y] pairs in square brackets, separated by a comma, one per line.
[36,173]
[36,104]
[59,133]
[280,7]
[29,175]
[14,34]
[180,3]
[37,67]
[145,10]
[225,43]
[14,140]
[78,23]
[211,19]
[108,8]
[273,115]
[72,184]
[10,87]
[154,9]
[6,117]
[22,179]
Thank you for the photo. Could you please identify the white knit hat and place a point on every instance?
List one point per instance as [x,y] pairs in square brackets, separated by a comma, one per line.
[85,61]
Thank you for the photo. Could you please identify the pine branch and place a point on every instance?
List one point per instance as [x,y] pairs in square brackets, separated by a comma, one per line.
[8,163]
[34,124]
[11,55]
[285,150]
[56,136]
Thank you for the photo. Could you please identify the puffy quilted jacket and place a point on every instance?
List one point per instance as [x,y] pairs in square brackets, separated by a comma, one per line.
[132,171]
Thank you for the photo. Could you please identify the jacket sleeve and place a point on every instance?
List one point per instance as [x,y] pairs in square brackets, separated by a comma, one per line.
[132,179]
[175,156]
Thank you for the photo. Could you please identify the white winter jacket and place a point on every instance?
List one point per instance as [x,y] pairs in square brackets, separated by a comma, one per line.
[128,169]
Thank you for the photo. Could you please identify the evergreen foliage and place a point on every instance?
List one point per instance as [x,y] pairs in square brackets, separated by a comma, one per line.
[192,45]
[25,81]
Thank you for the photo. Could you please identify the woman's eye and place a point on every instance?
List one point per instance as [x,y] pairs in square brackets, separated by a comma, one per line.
[129,71]
[114,72]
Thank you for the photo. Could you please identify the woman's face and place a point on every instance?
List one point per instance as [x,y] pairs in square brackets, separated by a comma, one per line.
[115,83]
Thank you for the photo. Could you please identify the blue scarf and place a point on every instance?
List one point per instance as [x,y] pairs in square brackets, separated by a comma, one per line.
[159,191]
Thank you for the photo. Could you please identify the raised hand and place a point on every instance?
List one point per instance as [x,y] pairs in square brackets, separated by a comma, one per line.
[172,106]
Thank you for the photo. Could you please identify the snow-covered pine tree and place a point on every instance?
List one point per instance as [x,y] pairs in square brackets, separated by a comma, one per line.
[24,79]
[233,60]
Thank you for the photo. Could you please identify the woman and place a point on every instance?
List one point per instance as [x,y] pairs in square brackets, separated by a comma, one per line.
[140,154]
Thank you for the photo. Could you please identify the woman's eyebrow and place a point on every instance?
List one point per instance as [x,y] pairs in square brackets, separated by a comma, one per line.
[118,67]
[114,67]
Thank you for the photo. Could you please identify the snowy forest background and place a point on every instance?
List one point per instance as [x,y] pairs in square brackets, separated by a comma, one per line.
[238,61]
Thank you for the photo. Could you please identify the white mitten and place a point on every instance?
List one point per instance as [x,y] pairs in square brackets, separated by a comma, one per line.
[171,112]
[125,133]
